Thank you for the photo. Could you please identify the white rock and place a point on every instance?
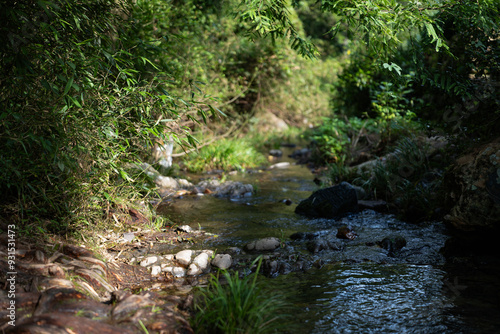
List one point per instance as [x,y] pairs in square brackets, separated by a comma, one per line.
[166,182]
[184,257]
[179,271]
[169,257]
[209,252]
[280,165]
[222,261]
[185,228]
[193,270]
[129,236]
[201,261]
[184,183]
[166,268]
[155,270]
[149,261]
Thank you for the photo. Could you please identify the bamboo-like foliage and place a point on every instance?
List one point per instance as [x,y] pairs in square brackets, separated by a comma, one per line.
[80,96]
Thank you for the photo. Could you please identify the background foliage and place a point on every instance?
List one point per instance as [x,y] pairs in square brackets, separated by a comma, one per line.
[90,85]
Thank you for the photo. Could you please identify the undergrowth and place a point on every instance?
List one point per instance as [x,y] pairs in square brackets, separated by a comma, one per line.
[225,154]
[230,304]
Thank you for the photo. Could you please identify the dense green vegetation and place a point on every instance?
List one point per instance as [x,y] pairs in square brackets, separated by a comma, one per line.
[88,86]
[230,304]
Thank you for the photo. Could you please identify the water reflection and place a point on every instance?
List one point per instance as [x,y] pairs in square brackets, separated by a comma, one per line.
[368,298]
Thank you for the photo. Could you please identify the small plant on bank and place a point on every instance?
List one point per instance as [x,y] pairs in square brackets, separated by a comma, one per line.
[236,305]
[225,154]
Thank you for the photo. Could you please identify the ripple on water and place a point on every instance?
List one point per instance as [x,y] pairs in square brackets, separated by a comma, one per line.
[369,298]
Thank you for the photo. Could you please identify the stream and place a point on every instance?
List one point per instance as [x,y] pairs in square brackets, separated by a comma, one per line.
[361,288]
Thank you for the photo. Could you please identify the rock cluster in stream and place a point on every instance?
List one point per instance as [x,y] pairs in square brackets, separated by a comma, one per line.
[169,186]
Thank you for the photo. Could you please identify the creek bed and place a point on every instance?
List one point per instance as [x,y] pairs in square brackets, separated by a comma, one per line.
[360,289]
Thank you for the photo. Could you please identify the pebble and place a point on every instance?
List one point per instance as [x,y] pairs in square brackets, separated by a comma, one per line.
[128,236]
[209,252]
[166,268]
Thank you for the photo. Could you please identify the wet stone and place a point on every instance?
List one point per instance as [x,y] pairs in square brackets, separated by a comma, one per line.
[330,202]
[346,232]
[392,244]
[265,244]
[185,229]
[270,268]
[316,246]
[233,251]
[276,153]
[222,261]
[303,236]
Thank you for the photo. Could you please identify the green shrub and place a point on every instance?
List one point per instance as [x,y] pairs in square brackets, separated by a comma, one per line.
[81,98]
[236,305]
[407,180]
[336,138]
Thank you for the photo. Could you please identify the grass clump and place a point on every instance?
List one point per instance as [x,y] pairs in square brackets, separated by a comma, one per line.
[236,305]
[225,154]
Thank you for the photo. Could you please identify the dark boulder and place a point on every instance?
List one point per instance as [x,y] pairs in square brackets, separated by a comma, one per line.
[332,202]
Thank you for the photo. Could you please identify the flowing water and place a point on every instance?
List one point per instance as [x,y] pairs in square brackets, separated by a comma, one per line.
[359,289]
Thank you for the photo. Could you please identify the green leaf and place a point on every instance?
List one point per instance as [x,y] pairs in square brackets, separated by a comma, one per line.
[125,176]
[68,85]
[74,101]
